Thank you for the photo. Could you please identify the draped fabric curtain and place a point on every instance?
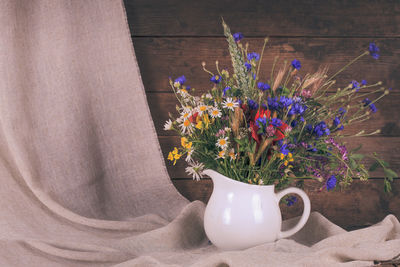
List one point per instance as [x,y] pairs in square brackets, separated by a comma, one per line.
[83,182]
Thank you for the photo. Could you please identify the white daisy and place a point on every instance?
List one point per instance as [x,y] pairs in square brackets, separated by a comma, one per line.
[221,154]
[202,109]
[186,126]
[168,125]
[222,142]
[215,113]
[185,114]
[189,155]
[208,96]
[230,104]
[232,154]
[195,169]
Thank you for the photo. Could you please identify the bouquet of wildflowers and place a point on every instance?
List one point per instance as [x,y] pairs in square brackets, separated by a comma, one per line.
[280,130]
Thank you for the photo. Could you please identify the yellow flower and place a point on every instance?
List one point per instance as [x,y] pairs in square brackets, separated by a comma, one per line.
[199,125]
[174,155]
[206,120]
[282,156]
[185,143]
[286,163]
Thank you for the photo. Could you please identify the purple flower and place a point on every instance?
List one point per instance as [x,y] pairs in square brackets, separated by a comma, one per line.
[331,183]
[226,89]
[181,79]
[273,103]
[290,200]
[342,111]
[363,82]
[263,86]
[296,64]
[336,121]
[253,55]
[372,106]
[285,102]
[270,130]
[248,66]
[284,149]
[252,104]
[238,36]
[373,50]
[276,122]
[355,85]
[321,129]
[216,79]
[261,122]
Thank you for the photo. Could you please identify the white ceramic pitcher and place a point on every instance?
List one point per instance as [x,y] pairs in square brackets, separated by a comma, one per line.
[240,215]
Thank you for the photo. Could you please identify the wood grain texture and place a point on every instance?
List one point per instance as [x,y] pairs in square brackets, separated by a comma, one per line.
[363,204]
[160,58]
[256,17]
[172,38]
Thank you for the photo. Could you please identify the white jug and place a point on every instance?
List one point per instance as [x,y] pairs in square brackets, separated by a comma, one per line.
[240,215]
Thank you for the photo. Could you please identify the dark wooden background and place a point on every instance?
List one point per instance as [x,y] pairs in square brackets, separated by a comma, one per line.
[172,38]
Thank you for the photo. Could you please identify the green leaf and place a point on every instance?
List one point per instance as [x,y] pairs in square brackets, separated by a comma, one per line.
[390,174]
[357,156]
[352,163]
[356,149]
[374,166]
[387,186]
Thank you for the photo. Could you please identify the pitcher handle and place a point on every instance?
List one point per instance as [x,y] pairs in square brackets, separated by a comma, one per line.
[304,216]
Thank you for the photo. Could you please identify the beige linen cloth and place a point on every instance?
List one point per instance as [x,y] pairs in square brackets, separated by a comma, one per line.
[83,182]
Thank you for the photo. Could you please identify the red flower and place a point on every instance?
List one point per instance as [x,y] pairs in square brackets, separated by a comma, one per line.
[279,131]
[254,130]
[192,118]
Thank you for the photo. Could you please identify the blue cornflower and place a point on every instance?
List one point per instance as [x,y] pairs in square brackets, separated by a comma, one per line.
[263,86]
[216,79]
[226,89]
[373,50]
[253,55]
[276,122]
[342,111]
[355,85]
[238,36]
[296,64]
[273,103]
[340,128]
[336,121]
[248,66]
[372,106]
[311,149]
[321,129]
[363,82]
[309,127]
[284,149]
[297,108]
[331,183]
[252,104]
[261,122]
[290,200]
[180,80]
[285,102]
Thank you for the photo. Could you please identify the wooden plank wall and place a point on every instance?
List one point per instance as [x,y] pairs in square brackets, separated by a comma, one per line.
[172,38]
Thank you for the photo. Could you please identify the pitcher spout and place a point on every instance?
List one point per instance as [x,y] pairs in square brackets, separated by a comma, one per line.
[215,176]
